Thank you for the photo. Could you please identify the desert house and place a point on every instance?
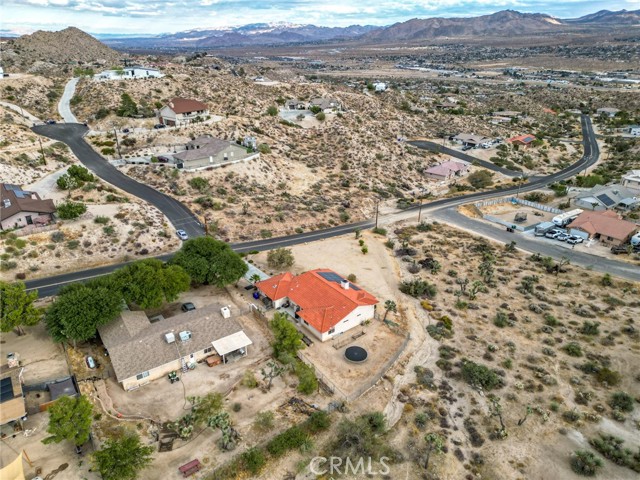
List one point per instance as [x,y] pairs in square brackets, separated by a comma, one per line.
[447,170]
[470,140]
[129,73]
[606,197]
[326,105]
[19,208]
[609,112]
[379,86]
[631,181]
[294,104]
[12,403]
[523,140]
[507,113]
[181,111]
[634,130]
[143,349]
[321,301]
[250,142]
[206,151]
[605,226]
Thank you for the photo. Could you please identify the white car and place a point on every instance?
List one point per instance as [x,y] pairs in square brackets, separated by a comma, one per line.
[574,239]
[182,235]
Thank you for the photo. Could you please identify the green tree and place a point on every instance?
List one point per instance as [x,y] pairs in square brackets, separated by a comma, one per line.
[16,307]
[149,283]
[210,261]
[321,117]
[70,210]
[480,179]
[389,306]
[308,382]
[287,339]
[80,309]
[128,107]
[70,419]
[122,458]
[315,109]
[67,182]
[280,258]
[435,444]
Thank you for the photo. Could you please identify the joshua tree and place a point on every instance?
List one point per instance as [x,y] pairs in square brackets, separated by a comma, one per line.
[389,306]
[272,371]
[435,443]
[255,278]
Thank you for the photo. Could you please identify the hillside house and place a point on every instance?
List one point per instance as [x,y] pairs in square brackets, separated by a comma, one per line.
[143,349]
[181,111]
[326,105]
[322,302]
[19,208]
[634,130]
[295,105]
[507,113]
[522,140]
[607,111]
[206,151]
[129,73]
[631,181]
[470,140]
[447,170]
[250,142]
[606,197]
[605,226]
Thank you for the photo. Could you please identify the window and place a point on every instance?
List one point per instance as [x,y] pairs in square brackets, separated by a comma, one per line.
[305,322]
[142,375]
[332,331]
[208,350]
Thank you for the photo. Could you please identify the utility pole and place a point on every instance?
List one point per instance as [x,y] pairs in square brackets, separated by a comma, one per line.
[117,142]
[377,205]
[44,160]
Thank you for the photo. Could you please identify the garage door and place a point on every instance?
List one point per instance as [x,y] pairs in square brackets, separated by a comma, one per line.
[579,233]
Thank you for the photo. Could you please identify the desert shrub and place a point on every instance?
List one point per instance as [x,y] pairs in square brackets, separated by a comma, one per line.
[479,375]
[236,407]
[199,183]
[480,179]
[621,401]
[264,148]
[253,460]
[612,448]
[70,210]
[380,231]
[606,280]
[585,463]
[550,320]
[572,416]
[418,288]
[272,111]
[573,349]
[590,328]
[102,220]
[351,277]
[20,243]
[501,320]
[280,258]
[249,379]
[287,440]
[318,421]
[610,377]
[308,382]
[107,151]
[264,421]
[73,244]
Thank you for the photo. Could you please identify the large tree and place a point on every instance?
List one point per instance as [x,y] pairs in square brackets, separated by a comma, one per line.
[16,307]
[122,458]
[81,308]
[148,283]
[210,261]
[280,258]
[70,419]
[287,339]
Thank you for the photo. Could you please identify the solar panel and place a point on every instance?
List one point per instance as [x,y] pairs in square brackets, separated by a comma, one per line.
[605,199]
[334,277]
[6,390]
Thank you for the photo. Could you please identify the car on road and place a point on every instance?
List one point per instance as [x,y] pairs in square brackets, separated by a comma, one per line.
[553,233]
[574,240]
[486,145]
[182,235]
[91,363]
[188,307]
[162,159]
[158,126]
[51,122]
[563,237]
[626,248]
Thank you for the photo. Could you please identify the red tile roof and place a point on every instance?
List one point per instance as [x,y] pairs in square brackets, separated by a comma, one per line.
[324,303]
[604,223]
[186,105]
[524,139]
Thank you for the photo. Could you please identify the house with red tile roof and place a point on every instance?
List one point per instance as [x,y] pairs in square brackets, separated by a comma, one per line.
[180,111]
[321,301]
[524,140]
[605,226]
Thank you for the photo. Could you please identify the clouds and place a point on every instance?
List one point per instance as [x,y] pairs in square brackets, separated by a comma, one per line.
[159,16]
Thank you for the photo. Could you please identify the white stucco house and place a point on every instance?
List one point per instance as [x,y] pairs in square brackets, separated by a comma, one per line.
[181,111]
[129,73]
[322,302]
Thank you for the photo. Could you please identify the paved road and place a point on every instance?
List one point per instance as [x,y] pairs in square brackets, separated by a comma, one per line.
[64,108]
[436,147]
[21,111]
[444,208]
[72,134]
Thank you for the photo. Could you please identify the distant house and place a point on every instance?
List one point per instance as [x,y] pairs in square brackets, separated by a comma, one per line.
[470,140]
[446,106]
[574,112]
[609,112]
[606,198]
[206,151]
[631,181]
[12,404]
[379,86]
[181,111]
[20,208]
[293,104]
[634,130]
[327,105]
[507,113]
[524,140]
[129,73]
[447,170]
[321,301]
[605,226]
[143,349]
[250,142]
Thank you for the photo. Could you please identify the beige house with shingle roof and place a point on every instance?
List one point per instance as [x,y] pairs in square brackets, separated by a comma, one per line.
[143,349]
[206,151]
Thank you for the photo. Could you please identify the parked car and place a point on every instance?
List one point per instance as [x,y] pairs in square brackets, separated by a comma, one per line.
[486,145]
[563,237]
[466,147]
[162,159]
[51,122]
[182,235]
[159,125]
[626,248]
[574,239]
[553,233]
[126,130]
[188,306]
[91,363]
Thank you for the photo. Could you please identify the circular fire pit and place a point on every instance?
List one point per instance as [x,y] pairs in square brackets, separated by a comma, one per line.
[356,354]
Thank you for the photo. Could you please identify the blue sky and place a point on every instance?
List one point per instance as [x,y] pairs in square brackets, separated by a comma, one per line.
[159,16]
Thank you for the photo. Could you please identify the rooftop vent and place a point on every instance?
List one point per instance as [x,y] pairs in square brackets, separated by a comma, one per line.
[226,312]
[170,337]
[344,284]
[185,336]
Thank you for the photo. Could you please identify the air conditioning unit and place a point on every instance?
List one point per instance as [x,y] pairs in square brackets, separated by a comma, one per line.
[344,284]
[170,337]
[226,312]
[184,336]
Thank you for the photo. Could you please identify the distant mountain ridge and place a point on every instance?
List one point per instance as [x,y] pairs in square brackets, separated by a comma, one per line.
[621,17]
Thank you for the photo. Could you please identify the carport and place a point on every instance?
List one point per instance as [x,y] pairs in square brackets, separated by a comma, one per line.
[232,346]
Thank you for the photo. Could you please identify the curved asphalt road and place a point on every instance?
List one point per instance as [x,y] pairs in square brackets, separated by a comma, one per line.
[444,209]
[72,134]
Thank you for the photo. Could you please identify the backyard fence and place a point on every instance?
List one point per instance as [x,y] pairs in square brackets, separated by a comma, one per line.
[31,229]
[538,206]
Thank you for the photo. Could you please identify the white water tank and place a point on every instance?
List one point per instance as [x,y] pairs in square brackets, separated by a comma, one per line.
[170,337]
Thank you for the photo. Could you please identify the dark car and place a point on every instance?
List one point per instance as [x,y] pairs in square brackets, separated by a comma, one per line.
[188,307]
[51,122]
[467,147]
[159,125]
[125,130]
[162,159]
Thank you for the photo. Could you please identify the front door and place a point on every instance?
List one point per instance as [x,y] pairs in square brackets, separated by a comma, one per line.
[29,220]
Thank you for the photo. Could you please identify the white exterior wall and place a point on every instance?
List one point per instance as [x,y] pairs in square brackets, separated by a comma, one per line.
[355,318]
[634,131]
[19,220]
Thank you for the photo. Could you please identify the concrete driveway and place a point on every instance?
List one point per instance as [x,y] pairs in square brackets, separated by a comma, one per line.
[64,108]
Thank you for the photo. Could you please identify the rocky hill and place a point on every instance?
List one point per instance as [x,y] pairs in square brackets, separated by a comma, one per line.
[504,23]
[43,50]
[622,17]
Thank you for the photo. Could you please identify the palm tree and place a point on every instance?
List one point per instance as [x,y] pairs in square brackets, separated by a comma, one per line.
[254,278]
[389,306]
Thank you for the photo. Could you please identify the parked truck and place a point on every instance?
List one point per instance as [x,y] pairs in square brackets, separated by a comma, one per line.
[566,218]
[543,228]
